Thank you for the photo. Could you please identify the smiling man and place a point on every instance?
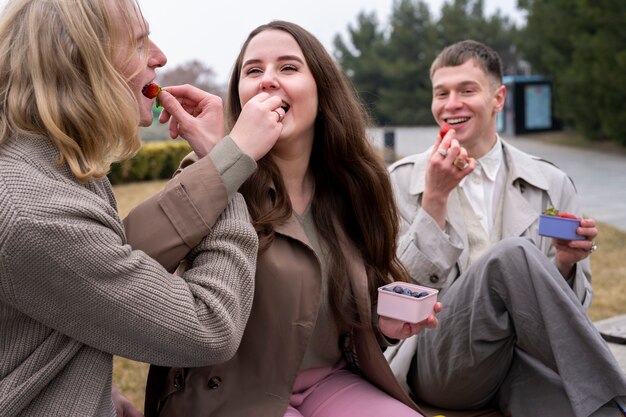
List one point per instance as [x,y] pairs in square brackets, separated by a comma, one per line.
[514,303]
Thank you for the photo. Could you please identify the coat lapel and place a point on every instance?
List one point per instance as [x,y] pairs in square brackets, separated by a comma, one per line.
[456,219]
[357,275]
[293,229]
[517,213]
[454,215]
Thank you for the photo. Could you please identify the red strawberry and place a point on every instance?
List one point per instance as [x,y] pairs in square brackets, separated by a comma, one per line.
[151,90]
[567,215]
[444,129]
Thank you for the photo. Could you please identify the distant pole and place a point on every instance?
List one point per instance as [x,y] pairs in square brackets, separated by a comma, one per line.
[389,150]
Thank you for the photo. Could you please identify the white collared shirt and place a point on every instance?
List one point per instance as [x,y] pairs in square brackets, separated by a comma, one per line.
[483,186]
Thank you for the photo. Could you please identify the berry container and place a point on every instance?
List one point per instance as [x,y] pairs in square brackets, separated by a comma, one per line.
[405,307]
[559,227]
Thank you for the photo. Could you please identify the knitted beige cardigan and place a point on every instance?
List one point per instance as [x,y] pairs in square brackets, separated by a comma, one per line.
[73,293]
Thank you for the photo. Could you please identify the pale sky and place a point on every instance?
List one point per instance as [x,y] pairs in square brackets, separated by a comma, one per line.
[213,31]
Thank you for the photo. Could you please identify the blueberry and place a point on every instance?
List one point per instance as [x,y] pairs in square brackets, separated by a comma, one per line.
[397,289]
[422,294]
[406,291]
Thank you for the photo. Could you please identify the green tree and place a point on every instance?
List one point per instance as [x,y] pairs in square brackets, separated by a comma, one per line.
[361,59]
[406,95]
[390,67]
[582,45]
[465,19]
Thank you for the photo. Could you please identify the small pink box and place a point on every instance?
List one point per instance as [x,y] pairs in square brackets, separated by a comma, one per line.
[405,307]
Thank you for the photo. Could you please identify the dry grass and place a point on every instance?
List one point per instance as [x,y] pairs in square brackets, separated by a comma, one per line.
[129,376]
[608,265]
[130,195]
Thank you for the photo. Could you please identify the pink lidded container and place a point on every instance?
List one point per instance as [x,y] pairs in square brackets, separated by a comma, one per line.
[412,305]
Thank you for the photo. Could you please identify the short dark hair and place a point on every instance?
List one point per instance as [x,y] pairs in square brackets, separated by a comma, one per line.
[461,52]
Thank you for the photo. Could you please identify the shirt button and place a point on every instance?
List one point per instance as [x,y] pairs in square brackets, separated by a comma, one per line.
[434,279]
[179,380]
[214,382]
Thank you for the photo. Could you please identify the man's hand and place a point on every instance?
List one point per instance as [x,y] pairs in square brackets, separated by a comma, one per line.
[398,329]
[449,163]
[569,252]
[123,407]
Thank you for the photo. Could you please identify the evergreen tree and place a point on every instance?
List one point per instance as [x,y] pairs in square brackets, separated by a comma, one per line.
[406,95]
[582,45]
[390,68]
[361,59]
[465,19]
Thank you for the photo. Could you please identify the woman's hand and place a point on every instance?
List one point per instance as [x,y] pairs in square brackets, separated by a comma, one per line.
[194,115]
[398,329]
[123,407]
[259,125]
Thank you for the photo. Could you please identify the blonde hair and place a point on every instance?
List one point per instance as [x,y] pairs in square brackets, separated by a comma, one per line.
[57,79]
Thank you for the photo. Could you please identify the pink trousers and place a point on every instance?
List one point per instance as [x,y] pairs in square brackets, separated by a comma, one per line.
[337,392]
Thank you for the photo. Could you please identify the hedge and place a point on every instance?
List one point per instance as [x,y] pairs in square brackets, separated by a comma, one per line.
[156,160]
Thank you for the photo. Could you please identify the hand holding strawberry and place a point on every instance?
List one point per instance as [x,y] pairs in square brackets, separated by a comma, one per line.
[460,163]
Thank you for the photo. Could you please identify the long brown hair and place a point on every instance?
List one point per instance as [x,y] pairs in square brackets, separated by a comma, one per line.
[352,186]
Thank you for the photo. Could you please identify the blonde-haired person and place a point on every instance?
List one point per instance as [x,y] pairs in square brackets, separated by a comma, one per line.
[73,293]
[322,205]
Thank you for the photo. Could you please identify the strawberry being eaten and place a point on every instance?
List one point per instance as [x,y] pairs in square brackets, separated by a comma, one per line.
[444,129]
[151,91]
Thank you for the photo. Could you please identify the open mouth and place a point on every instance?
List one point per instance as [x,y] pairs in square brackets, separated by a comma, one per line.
[285,107]
[456,120]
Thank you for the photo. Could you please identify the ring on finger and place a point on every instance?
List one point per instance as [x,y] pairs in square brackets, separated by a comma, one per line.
[442,152]
[593,247]
[460,163]
[280,115]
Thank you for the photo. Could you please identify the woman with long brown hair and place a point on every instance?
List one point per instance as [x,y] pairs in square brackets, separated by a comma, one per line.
[322,205]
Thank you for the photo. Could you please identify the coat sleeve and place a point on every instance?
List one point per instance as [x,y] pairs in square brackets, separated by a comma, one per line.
[564,197]
[84,282]
[428,253]
[169,224]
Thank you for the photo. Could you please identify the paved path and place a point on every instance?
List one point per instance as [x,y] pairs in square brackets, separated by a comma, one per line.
[600,177]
